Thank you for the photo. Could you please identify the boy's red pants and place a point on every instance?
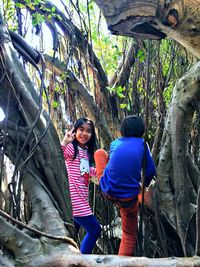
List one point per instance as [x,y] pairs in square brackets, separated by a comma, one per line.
[128,215]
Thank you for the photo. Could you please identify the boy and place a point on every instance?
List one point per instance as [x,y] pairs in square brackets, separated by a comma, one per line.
[119,176]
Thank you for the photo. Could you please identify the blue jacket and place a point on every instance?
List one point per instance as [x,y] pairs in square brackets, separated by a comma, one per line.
[122,175]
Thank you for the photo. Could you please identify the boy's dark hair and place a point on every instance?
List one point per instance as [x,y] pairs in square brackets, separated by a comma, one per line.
[132,126]
[91,144]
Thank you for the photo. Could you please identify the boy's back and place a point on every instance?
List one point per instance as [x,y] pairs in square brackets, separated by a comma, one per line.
[122,175]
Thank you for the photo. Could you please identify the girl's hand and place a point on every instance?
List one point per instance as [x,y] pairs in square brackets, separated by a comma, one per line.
[68,138]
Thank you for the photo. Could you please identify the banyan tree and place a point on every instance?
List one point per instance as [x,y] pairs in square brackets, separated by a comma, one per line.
[41,94]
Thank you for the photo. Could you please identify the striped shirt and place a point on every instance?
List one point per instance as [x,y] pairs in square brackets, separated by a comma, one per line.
[79,173]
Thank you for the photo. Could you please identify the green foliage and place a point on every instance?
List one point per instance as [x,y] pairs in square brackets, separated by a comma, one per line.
[59,89]
[168,93]
[125,106]
[37,19]
[140,84]
[108,48]
[55,104]
[117,90]
[141,55]
[110,51]
[35,2]
[179,66]
[19,5]
[8,11]
[165,54]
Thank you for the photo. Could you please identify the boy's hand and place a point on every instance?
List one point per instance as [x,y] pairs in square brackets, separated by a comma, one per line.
[148,197]
[68,138]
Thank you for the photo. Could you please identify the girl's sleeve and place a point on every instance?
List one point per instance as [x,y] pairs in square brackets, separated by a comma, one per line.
[93,176]
[68,150]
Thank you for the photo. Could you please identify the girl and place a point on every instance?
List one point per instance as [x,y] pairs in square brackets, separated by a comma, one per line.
[78,147]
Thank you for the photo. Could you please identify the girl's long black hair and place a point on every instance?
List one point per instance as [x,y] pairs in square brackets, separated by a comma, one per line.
[91,144]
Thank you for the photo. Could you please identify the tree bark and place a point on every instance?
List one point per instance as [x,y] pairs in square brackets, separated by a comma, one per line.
[154,19]
[33,146]
[173,176]
[87,101]
[33,124]
[113,261]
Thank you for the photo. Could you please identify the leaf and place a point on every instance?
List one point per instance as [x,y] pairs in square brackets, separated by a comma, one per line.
[120,89]
[19,5]
[141,55]
[53,9]
[55,104]
[120,95]
[59,17]
[123,105]
[37,19]
[111,89]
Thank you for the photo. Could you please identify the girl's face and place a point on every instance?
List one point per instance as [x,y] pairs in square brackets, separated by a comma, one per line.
[83,134]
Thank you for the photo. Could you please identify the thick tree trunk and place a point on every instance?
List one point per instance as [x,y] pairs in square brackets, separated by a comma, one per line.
[175,173]
[33,127]
[112,261]
[33,146]
[87,101]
